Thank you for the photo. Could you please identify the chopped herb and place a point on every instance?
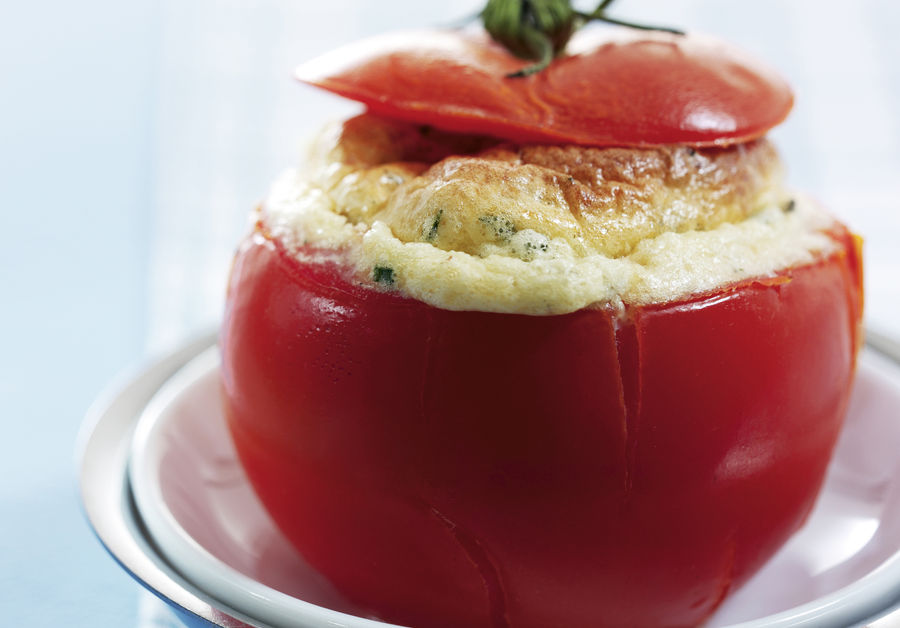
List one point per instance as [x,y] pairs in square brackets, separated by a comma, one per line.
[432,230]
[790,205]
[501,228]
[529,249]
[383,274]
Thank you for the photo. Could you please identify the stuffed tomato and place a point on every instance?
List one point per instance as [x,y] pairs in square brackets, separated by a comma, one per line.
[483,382]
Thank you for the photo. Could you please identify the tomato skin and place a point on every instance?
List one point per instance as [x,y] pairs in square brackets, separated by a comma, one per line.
[615,88]
[447,468]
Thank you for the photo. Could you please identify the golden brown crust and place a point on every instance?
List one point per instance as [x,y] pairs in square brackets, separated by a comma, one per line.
[464,193]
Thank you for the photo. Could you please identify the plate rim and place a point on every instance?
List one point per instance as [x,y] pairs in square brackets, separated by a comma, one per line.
[101,453]
[221,581]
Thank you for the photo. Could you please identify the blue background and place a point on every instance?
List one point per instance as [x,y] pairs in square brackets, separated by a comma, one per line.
[76,130]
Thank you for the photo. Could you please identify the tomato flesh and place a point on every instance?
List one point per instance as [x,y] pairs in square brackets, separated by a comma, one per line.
[447,468]
[614,88]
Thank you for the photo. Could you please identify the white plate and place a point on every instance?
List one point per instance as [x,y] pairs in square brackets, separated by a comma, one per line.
[841,568]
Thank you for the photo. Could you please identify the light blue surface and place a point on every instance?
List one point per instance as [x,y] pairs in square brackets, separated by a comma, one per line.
[135,136]
[76,129]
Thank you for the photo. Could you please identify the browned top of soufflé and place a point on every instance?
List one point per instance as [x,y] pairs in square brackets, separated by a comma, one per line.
[477,190]
[471,222]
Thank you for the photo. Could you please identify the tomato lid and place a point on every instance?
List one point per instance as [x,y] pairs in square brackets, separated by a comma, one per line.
[613,87]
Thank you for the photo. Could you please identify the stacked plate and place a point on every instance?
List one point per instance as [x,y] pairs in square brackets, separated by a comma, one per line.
[162,488]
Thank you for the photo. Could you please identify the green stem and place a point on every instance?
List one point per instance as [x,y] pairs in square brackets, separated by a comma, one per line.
[641,27]
[539,41]
[540,29]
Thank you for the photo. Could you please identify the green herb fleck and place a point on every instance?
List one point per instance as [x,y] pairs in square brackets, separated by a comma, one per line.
[432,230]
[529,249]
[789,206]
[383,275]
[501,227]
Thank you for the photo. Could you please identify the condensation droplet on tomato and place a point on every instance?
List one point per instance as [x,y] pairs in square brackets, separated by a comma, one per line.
[329,310]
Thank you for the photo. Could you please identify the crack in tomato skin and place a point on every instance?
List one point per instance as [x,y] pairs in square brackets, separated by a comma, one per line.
[523,446]
[614,88]
[627,334]
[479,556]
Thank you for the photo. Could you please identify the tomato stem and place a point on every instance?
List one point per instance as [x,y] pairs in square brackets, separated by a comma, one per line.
[540,29]
[541,42]
[598,15]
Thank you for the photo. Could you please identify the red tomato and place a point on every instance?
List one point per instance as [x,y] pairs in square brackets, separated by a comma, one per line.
[615,88]
[448,468]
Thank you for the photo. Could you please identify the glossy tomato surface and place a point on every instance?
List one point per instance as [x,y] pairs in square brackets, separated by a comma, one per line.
[452,468]
[615,87]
